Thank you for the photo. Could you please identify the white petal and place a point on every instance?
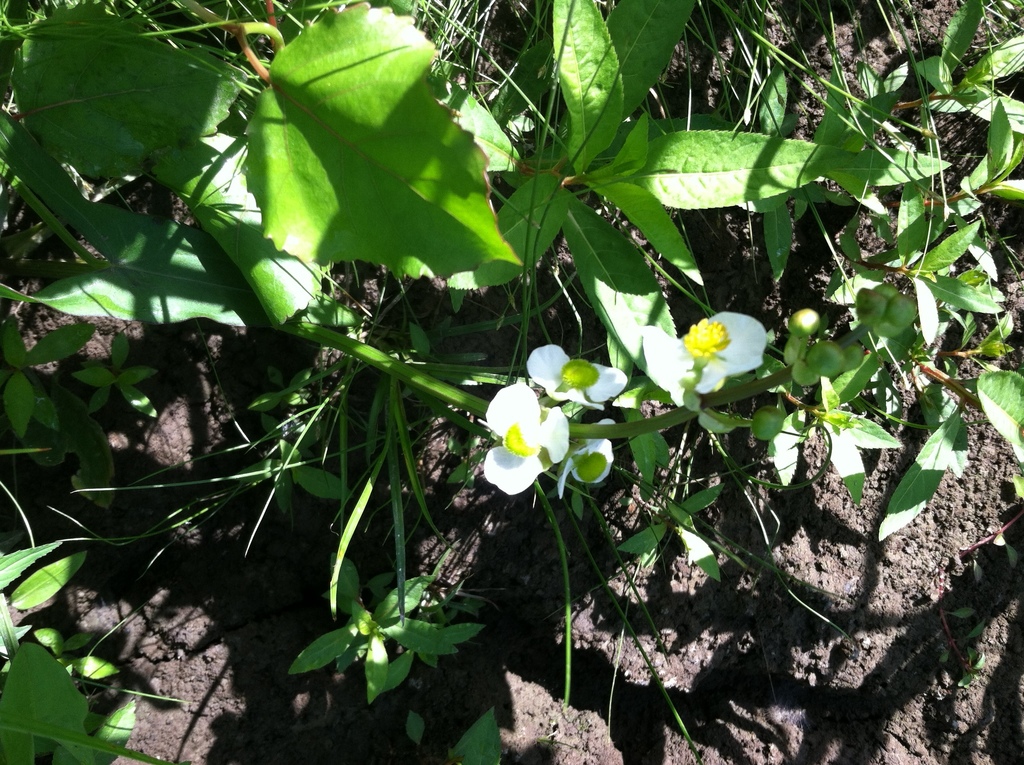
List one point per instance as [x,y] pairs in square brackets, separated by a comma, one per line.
[545,366]
[555,434]
[516,404]
[610,383]
[510,473]
[747,341]
[667,360]
[601,446]
[563,475]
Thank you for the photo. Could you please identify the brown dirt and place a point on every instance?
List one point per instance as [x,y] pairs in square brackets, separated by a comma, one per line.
[757,665]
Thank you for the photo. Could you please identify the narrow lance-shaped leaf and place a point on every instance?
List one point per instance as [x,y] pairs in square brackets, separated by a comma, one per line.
[350,156]
[588,70]
[645,34]
[698,170]
[918,486]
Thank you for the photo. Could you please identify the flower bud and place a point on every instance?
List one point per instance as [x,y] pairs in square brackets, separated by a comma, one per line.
[804,375]
[804,322]
[767,422]
[826,358]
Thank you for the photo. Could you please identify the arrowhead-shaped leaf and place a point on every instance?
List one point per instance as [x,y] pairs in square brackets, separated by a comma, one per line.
[351,157]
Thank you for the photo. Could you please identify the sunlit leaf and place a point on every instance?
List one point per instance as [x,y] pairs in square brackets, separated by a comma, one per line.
[46,582]
[350,156]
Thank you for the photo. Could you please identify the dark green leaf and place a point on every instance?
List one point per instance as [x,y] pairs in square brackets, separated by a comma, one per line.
[481,744]
[424,637]
[323,650]
[946,252]
[59,344]
[960,295]
[19,402]
[104,96]
[960,32]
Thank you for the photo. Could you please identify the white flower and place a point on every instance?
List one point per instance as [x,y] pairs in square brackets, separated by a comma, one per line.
[533,438]
[589,463]
[577,380]
[726,344]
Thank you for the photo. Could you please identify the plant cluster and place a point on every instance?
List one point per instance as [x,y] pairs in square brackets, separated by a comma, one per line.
[342,138]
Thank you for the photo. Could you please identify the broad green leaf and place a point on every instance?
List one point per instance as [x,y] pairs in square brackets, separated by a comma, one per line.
[1010,189]
[19,402]
[698,170]
[602,255]
[59,344]
[319,482]
[94,668]
[650,450]
[846,460]
[917,487]
[648,214]
[529,220]
[350,157]
[783,449]
[644,543]
[774,97]
[324,650]
[414,727]
[159,270]
[960,32]
[1002,399]
[39,689]
[960,295]
[12,564]
[46,582]
[699,553]
[1001,143]
[398,670]
[645,34]
[481,744]
[701,499]
[376,668]
[209,178]
[116,729]
[13,344]
[629,158]
[588,70]
[946,252]
[850,384]
[105,96]
[424,637]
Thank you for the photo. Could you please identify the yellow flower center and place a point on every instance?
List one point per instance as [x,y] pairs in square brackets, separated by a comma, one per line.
[588,467]
[706,339]
[517,444]
[579,374]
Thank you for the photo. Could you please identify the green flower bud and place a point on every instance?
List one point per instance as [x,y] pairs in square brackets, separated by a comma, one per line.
[870,305]
[900,311]
[804,322]
[767,422]
[826,358]
[804,375]
[852,357]
[795,348]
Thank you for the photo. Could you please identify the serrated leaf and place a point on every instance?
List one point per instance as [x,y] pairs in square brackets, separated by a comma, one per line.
[588,70]
[891,167]
[648,214]
[960,32]
[12,564]
[918,485]
[46,582]
[949,250]
[1002,399]
[59,344]
[645,34]
[351,157]
[105,96]
[209,178]
[960,295]
[698,170]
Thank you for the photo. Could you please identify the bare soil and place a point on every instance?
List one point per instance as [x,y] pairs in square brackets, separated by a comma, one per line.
[828,652]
